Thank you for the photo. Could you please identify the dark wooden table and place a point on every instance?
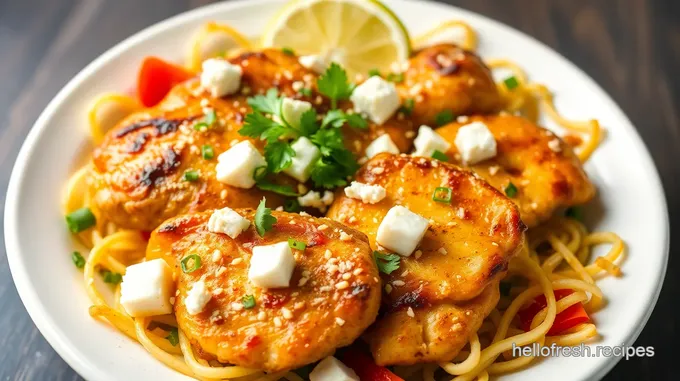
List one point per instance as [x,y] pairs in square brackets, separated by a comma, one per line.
[630,47]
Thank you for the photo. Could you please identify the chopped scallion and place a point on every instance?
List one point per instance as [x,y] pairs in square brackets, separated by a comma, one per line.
[190,176]
[78,259]
[374,73]
[511,190]
[511,82]
[207,152]
[190,263]
[111,278]
[407,107]
[80,220]
[444,117]
[442,194]
[288,51]
[248,302]
[297,245]
[395,77]
[439,155]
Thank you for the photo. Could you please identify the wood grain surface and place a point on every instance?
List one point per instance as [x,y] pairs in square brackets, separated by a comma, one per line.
[630,47]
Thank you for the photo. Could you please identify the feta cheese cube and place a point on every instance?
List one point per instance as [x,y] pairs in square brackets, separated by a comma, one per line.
[381,144]
[475,143]
[306,154]
[429,141]
[292,110]
[271,266]
[369,194]
[220,77]
[228,222]
[197,298]
[331,369]
[314,63]
[377,98]
[314,199]
[147,288]
[401,230]
[236,165]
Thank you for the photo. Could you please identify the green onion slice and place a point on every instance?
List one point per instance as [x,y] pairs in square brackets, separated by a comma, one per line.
[80,220]
[511,82]
[78,259]
[444,117]
[190,263]
[442,194]
[288,51]
[190,176]
[248,302]
[207,152]
[296,244]
[511,190]
[439,155]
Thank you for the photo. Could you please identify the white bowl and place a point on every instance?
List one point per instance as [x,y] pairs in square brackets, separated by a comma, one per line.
[39,246]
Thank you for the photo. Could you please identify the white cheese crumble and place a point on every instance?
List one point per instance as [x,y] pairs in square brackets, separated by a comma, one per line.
[228,222]
[377,98]
[314,199]
[367,193]
[401,230]
[381,144]
[331,369]
[475,143]
[306,154]
[429,141]
[236,166]
[147,288]
[271,266]
[197,298]
[314,63]
[220,77]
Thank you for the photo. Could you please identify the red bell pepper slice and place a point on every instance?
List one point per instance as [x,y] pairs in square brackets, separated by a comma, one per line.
[156,78]
[570,317]
[364,366]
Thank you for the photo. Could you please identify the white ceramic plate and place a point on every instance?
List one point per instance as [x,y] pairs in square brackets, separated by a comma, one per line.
[38,244]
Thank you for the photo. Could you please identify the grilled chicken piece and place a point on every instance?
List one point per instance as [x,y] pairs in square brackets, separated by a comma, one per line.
[448,78]
[545,170]
[456,266]
[288,327]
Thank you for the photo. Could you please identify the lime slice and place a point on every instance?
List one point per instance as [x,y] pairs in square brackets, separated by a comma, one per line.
[360,35]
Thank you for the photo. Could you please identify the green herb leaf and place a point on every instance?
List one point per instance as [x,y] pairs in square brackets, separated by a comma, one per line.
[173,337]
[190,263]
[334,118]
[207,152]
[270,103]
[374,73]
[264,221]
[297,245]
[575,212]
[407,107]
[291,205]
[511,82]
[396,77]
[334,84]
[444,117]
[190,176]
[356,121]
[285,190]
[111,277]
[256,125]
[288,51]
[442,194]
[308,123]
[306,92]
[80,220]
[78,259]
[387,263]
[279,156]
[248,302]
[327,174]
[511,190]
[439,155]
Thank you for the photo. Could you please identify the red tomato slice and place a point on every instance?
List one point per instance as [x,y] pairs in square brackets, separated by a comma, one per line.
[570,317]
[156,78]
[366,368]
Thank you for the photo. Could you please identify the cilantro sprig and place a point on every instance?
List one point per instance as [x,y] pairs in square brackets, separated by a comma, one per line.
[387,263]
[266,123]
[264,221]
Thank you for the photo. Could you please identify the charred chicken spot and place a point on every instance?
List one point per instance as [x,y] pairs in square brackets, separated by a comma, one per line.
[413,299]
[138,143]
[154,172]
[498,267]
[161,126]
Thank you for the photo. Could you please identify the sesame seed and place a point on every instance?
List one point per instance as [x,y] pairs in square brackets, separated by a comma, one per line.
[494,243]
[340,321]
[442,251]
[261,316]
[286,313]
[457,327]
[418,254]
[216,256]
[410,312]
[352,219]
[346,276]
[388,288]
[302,189]
[344,236]
[342,285]
[302,282]
[410,134]
[236,306]
[398,283]
[325,288]
[218,291]
[305,214]
[328,254]
[554,145]
[322,228]
[358,271]
[378,170]
[493,170]
[172,300]
[404,273]
[220,270]
[298,85]
[277,322]
[306,273]
[318,301]
[299,305]
[332,269]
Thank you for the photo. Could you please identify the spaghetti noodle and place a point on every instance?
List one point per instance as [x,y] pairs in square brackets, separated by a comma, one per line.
[556,256]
